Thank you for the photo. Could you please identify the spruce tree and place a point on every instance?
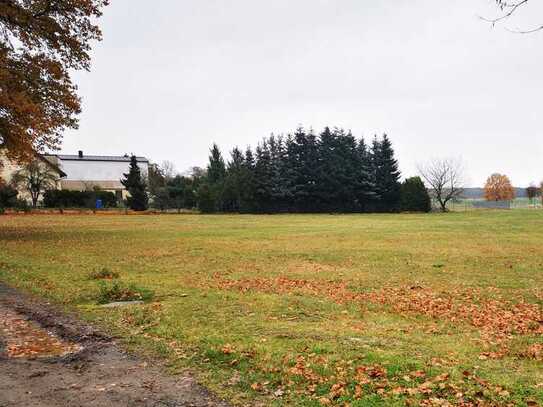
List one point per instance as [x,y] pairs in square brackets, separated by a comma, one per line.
[206,198]
[348,178]
[216,169]
[366,189]
[247,203]
[280,196]
[138,199]
[233,185]
[216,174]
[263,178]
[327,185]
[387,175]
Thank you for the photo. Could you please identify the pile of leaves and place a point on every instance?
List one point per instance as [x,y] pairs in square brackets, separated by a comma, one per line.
[332,382]
[25,339]
[498,317]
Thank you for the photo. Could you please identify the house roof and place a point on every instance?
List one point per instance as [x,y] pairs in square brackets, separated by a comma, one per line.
[55,167]
[75,157]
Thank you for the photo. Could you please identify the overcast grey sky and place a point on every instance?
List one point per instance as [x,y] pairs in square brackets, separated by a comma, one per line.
[173,76]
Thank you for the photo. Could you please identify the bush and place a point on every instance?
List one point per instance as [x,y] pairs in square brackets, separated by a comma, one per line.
[22,205]
[78,199]
[116,291]
[414,196]
[103,274]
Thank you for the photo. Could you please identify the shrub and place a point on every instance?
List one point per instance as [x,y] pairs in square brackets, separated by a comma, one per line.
[103,274]
[8,196]
[22,205]
[116,291]
[414,196]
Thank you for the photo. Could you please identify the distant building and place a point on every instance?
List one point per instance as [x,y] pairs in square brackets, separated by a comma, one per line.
[81,172]
[8,168]
[87,172]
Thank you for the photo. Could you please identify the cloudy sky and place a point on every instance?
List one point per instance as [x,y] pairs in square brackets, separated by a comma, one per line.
[172,78]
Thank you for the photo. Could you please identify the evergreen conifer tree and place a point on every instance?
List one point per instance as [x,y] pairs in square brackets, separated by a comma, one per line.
[216,169]
[216,174]
[366,192]
[414,196]
[263,178]
[206,199]
[327,166]
[248,203]
[138,199]
[387,175]
[234,182]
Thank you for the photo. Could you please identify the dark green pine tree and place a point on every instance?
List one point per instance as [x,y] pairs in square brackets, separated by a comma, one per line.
[326,183]
[366,194]
[138,199]
[206,199]
[248,200]
[233,184]
[414,196]
[280,189]
[216,169]
[348,178]
[216,174]
[263,178]
[387,175]
[295,170]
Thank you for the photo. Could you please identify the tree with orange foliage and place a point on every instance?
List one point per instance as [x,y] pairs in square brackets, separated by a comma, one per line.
[40,42]
[498,188]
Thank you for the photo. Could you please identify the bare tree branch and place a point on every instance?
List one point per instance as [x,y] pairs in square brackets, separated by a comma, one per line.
[445,178]
[510,8]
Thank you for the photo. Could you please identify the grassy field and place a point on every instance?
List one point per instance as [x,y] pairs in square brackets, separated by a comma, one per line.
[310,309]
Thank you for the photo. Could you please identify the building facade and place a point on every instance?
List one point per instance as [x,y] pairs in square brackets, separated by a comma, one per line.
[80,172]
[88,172]
[9,168]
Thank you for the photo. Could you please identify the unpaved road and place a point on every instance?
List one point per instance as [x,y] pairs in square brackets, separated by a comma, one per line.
[99,375]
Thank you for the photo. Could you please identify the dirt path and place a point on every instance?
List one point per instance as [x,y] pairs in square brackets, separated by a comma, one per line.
[49,359]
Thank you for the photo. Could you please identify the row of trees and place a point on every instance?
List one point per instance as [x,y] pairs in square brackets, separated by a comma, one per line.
[303,172]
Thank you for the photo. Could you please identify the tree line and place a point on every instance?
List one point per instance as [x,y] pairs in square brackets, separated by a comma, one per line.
[303,172]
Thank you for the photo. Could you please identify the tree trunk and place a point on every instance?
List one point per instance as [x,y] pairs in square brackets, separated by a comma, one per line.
[443,205]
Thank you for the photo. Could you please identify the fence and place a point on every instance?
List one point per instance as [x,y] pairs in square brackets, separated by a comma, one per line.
[473,204]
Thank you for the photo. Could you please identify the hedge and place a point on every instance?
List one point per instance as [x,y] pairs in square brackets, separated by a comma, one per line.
[78,199]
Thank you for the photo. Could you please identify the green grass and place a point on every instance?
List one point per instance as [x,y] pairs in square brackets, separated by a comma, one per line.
[308,344]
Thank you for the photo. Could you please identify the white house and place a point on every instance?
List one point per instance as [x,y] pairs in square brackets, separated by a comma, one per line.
[85,172]
[9,168]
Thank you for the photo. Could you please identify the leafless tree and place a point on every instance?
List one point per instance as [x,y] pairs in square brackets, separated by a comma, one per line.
[507,9]
[168,169]
[35,177]
[445,178]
